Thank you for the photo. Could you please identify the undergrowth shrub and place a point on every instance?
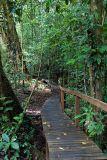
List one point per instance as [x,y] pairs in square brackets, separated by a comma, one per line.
[92,122]
[15,135]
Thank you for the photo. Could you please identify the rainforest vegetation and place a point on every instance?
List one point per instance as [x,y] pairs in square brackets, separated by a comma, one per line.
[62,41]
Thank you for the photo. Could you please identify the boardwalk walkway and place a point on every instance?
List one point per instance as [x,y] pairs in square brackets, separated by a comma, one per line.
[64,140]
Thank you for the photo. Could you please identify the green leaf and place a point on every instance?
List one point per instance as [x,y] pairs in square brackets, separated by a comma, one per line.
[17,118]
[14,138]
[1,146]
[86,49]
[8,109]
[15,145]
[6,146]
[68,111]
[78,116]
[6,157]
[8,102]
[96,15]
[103,48]
[5,137]
[82,121]
[98,58]
[71,61]
[5,118]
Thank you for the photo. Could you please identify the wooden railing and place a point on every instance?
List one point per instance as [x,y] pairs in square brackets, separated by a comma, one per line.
[78,96]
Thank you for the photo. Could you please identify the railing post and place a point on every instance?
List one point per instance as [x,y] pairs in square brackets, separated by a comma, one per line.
[62,100]
[77,109]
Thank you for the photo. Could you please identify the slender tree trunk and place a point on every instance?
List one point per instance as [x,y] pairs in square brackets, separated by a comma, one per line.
[85,85]
[92,81]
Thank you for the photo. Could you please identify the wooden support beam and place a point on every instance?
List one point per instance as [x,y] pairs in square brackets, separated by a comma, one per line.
[77,110]
[62,100]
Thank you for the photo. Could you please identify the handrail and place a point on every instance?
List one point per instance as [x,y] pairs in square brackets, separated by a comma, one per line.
[91,100]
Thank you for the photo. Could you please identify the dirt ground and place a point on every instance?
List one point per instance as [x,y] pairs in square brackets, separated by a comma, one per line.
[39,96]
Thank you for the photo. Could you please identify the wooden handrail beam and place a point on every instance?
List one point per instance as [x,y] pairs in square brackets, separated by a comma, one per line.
[89,99]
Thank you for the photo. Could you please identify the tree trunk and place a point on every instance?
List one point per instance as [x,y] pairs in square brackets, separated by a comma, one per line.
[96,40]
[92,81]
[6,91]
[11,36]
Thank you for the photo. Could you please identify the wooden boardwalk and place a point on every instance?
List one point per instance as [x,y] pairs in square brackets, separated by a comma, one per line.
[64,140]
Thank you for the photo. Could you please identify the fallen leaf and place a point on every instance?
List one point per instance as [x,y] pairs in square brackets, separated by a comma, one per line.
[44,123]
[65,134]
[49,125]
[84,143]
[61,148]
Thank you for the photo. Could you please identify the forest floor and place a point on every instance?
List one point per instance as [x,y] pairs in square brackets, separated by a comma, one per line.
[40,95]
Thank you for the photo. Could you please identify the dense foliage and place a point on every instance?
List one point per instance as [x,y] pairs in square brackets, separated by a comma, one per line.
[64,41]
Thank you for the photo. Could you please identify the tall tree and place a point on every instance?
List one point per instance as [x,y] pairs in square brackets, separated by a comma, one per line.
[11,36]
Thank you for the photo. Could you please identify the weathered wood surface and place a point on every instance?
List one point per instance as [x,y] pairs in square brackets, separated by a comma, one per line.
[91,100]
[64,140]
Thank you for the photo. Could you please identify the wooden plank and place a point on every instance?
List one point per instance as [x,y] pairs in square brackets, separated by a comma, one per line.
[65,141]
